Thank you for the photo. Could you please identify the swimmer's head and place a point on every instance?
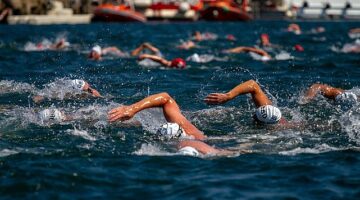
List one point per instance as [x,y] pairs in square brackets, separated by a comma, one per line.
[95,52]
[96,49]
[51,115]
[178,63]
[170,130]
[268,114]
[188,151]
[78,84]
[298,47]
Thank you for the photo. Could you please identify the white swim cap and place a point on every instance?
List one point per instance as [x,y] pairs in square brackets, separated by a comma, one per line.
[170,130]
[265,58]
[189,151]
[346,97]
[53,115]
[78,84]
[268,114]
[195,57]
[97,49]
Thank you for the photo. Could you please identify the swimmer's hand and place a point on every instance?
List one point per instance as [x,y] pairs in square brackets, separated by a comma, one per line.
[217,98]
[121,113]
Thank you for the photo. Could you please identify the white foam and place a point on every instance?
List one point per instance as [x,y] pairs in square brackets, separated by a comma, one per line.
[11,86]
[322,148]
[283,55]
[81,133]
[152,150]
[7,152]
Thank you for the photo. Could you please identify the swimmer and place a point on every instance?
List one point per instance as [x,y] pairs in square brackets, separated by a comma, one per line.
[187,45]
[198,37]
[97,52]
[264,55]
[265,112]
[352,47]
[178,63]
[337,94]
[317,30]
[176,127]
[171,112]
[145,46]
[77,85]
[60,44]
[196,147]
[295,28]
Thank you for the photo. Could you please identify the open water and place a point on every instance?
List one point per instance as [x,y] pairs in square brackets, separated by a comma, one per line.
[88,158]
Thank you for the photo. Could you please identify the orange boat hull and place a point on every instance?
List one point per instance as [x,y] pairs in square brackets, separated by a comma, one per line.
[117,14]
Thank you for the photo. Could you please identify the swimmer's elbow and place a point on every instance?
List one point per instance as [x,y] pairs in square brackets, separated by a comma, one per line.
[165,95]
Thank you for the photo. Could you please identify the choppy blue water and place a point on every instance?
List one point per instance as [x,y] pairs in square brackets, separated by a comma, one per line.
[89,158]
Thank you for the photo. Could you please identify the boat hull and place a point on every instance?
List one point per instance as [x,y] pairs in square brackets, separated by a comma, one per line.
[113,15]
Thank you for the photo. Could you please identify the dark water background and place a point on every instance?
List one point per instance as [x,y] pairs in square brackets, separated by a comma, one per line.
[97,160]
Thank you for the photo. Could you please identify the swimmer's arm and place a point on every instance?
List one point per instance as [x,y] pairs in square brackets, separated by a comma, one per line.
[127,112]
[257,51]
[235,50]
[94,92]
[325,90]
[248,87]
[111,50]
[187,45]
[137,51]
[156,59]
[151,47]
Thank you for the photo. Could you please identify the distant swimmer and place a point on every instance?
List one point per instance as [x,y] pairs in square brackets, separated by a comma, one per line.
[352,47]
[337,94]
[97,52]
[66,88]
[60,44]
[177,124]
[242,49]
[187,45]
[265,41]
[198,36]
[146,46]
[294,28]
[177,63]
[265,112]
[354,33]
